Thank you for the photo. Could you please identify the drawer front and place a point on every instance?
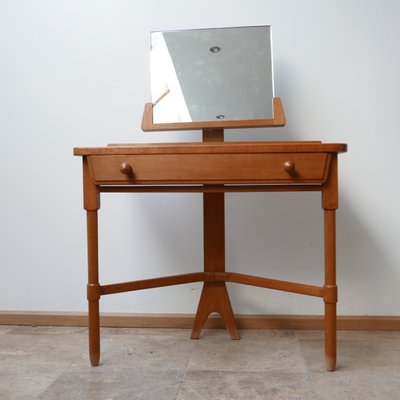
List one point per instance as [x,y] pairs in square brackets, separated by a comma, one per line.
[209,168]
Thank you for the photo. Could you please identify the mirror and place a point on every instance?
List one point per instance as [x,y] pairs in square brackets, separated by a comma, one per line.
[212,74]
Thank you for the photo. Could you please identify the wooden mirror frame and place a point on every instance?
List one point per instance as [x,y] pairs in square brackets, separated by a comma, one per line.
[277,121]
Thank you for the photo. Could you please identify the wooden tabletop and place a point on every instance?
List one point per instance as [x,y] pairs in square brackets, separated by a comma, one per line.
[214,148]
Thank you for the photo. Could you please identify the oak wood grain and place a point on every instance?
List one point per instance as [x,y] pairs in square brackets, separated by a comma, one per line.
[213,168]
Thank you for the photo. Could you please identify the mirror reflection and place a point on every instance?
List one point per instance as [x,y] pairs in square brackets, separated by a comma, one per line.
[212,74]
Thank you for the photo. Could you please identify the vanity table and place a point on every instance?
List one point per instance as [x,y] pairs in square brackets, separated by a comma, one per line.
[213,167]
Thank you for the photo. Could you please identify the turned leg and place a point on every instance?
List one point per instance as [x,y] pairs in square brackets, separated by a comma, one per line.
[93,289]
[91,199]
[330,204]
[330,297]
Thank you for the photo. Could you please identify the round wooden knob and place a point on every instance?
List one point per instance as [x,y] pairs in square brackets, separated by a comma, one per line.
[289,167]
[126,168]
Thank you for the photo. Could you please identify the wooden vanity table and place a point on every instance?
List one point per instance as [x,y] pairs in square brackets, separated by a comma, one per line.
[213,167]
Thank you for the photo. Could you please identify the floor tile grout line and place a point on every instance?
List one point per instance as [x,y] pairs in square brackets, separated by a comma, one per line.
[62,372]
[307,372]
[182,378]
[186,369]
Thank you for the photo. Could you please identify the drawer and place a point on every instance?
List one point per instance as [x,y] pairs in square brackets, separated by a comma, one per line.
[209,168]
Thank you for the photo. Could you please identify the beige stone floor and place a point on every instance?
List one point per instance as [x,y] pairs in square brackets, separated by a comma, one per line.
[52,363]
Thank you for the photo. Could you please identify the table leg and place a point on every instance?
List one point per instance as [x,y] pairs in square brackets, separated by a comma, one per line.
[330,203]
[91,200]
[93,289]
[330,287]
[214,297]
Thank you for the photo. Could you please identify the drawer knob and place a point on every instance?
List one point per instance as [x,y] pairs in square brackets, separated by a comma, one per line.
[289,167]
[126,168]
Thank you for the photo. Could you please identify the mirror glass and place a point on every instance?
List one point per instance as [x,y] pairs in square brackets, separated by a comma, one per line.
[212,74]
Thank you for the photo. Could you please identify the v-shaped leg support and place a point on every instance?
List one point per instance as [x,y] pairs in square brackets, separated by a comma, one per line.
[214,297]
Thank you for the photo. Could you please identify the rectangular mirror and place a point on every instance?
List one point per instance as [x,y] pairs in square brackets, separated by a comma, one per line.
[220,74]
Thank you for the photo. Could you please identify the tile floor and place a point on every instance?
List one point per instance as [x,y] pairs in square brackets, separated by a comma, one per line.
[52,363]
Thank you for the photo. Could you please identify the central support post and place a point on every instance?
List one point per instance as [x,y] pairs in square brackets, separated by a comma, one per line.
[214,296]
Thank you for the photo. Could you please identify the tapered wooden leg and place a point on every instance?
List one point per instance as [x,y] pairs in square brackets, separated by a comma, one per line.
[330,336]
[94,333]
[93,289]
[91,201]
[330,297]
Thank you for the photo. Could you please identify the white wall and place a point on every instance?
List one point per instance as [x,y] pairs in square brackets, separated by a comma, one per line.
[75,73]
